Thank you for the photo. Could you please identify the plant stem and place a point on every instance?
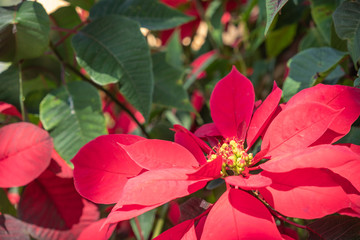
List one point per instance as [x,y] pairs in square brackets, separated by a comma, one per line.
[21,94]
[160,222]
[70,31]
[101,88]
[139,228]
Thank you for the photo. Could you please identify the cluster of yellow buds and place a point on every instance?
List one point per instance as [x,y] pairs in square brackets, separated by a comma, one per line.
[234,156]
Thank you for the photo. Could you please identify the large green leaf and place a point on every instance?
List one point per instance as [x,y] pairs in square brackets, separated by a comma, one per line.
[272,8]
[277,40]
[310,67]
[72,115]
[168,89]
[9,84]
[112,49]
[150,13]
[321,11]
[23,33]
[347,25]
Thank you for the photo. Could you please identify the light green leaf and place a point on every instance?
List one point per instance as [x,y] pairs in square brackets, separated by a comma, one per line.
[277,40]
[23,33]
[272,8]
[310,67]
[112,49]
[73,116]
[146,221]
[150,13]
[9,84]
[168,90]
[174,51]
[321,11]
[347,26]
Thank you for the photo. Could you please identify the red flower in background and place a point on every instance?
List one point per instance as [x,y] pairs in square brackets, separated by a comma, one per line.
[119,120]
[305,175]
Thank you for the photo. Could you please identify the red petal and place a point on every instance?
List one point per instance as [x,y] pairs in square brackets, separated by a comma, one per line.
[304,193]
[59,166]
[339,159]
[199,62]
[337,97]
[13,228]
[159,186]
[298,127]
[188,142]
[253,182]
[238,215]
[263,115]
[183,231]
[210,170]
[232,104]
[126,212]
[25,152]
[205,148]
[95,231]
[154,154]
[102,167]
[207,130]
[54,208]
[8,109]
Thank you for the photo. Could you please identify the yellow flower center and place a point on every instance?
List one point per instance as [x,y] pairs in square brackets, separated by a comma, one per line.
[234,156]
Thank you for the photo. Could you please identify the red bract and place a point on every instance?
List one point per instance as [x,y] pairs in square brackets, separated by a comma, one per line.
[50,208]
[25,152]
[301,178]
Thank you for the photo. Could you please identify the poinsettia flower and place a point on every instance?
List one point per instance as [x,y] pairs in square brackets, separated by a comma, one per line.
[296,172]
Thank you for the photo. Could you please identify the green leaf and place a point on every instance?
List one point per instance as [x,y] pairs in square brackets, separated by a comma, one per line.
[347,26]
[72,115]
[9,84]
[310,67]
[277,40]
[5,205]
[169,89]
[335,227]
[24,33]
[112,49]
[272,8]
[150,13]
[321,11]
[146,221]
[214,13]
[312,39]
[84,4]
[174,51]
[352,137]
[67,18]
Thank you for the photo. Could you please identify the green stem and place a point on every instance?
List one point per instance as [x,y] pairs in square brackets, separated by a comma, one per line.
[21,94]
[160,222]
